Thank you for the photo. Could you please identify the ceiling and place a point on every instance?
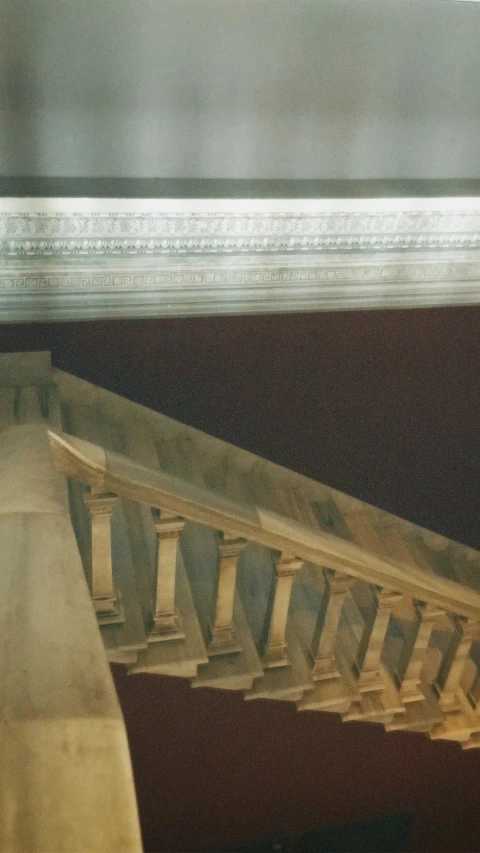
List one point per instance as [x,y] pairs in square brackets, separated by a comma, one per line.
[288,89]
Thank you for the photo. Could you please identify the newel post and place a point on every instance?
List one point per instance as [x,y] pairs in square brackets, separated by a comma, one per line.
[65,774]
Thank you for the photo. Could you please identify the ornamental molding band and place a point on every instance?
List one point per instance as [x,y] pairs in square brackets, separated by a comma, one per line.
[80,258]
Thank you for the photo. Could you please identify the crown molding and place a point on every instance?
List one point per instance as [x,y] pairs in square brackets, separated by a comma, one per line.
[83,227]
[77,258]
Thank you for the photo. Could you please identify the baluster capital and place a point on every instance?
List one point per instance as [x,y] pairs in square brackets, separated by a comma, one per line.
[386,599]
[286,565]
[167,525]
[100,503]
[338,583]
[230,545]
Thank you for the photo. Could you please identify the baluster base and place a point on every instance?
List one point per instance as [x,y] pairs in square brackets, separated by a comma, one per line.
[166,626]
[109,610]
[223,641]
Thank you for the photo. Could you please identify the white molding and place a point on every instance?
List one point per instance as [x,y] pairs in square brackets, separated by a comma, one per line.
[97,258]
[27,205]
[38,226]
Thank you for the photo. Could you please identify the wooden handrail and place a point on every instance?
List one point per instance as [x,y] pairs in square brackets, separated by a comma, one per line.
[113,472]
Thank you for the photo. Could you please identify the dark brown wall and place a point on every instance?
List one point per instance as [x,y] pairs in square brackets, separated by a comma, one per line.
[384,405]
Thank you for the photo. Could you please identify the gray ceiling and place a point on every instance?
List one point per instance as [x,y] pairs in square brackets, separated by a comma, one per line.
[252,89]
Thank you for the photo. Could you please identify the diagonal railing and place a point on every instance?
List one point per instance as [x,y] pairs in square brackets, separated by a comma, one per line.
[110,472]
[371,603]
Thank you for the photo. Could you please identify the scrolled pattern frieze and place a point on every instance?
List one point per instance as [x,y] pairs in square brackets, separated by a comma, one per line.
[100,258]
[30,233]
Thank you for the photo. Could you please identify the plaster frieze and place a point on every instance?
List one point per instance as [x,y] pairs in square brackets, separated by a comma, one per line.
[42,227]
[85,258]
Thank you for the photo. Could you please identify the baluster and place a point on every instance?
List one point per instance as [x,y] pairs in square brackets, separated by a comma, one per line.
[167,623]
[276,648]
[379,700]
[334,688]
[450,693]
[367,662]
[337,586]
[408,671]
[223,633]
[461,719]
[104,597]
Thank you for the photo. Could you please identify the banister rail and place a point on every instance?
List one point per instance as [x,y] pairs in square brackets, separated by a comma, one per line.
[112,472]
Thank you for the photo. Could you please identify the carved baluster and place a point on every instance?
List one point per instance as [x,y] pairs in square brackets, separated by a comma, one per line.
[368,656]
[167,623]
[454,664]
[276,648]
[223,637]
[408,673]
[461,719]
[105,602]
[337,586]
[362,527]
[379,699]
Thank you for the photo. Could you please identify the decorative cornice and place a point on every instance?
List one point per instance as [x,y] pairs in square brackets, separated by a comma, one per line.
[239,226]
[99,258]
[241,285]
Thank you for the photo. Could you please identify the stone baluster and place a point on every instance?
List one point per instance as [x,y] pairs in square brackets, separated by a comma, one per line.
[276,649]
[336,589]
[222,628]
[451,671]
[460,719]
[167,624]
[408,672]
[104,597]
[368,656]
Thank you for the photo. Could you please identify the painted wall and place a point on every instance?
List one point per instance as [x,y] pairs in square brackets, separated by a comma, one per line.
[250,89]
